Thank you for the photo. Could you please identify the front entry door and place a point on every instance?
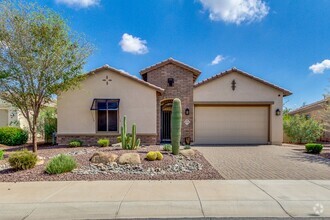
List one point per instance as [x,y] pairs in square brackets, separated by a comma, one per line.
[166,123]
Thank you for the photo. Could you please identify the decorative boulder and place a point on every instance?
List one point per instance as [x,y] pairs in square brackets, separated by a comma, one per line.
[100,157]
[116,145]
[129,158]
[187,152]
[40,161]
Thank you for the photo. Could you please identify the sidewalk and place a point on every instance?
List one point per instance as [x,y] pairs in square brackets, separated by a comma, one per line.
[164,199]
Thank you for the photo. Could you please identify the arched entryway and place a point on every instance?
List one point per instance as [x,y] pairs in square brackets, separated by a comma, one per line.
[165,120]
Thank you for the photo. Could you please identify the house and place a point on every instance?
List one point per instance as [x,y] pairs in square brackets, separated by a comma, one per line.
[232,107]
[316,111]
[10,116]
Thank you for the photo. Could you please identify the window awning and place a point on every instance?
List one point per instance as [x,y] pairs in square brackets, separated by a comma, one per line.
[105,104]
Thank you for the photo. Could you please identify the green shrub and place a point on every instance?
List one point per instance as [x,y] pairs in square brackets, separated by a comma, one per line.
[1,154]
[187,147]
[13,136]
[300,129]
[103,142]
[167,147]
[119,139]
[151,155]
[75,143]
[159,155]
[314,148]
[61,164]
[23,160]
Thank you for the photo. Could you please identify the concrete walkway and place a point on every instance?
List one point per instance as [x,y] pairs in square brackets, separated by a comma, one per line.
[160,199]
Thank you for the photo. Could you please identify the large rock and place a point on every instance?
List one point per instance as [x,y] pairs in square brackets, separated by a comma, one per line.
[129,158]
[100,157]
[188,152]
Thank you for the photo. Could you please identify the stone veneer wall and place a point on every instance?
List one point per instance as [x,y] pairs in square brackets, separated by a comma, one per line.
[91,140]
[182,89]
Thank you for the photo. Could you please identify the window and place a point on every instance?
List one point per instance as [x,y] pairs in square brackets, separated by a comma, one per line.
[170,82]
[107,114]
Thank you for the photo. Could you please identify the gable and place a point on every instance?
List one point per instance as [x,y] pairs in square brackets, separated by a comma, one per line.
[234,70]
[172,61]
[247,89]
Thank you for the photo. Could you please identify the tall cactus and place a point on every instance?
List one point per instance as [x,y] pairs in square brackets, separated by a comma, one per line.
[176,122]
[135,143]
[124,133]
[129,142]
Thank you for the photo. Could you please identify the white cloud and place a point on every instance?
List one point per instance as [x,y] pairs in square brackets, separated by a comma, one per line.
[79,3]
[236,11]
[217,60]
[133,44]
[319,68]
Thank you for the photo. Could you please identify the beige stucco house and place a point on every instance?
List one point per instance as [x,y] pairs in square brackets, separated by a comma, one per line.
[10,116]
[316,110]
[232,107]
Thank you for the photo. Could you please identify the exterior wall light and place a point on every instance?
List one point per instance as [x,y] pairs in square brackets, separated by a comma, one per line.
[186,111]
[278,112]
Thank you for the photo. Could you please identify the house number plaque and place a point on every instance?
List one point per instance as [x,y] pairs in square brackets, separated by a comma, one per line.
[186,122]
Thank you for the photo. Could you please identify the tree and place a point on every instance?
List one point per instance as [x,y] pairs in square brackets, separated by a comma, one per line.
[301,129]
[326,114]
[39,57]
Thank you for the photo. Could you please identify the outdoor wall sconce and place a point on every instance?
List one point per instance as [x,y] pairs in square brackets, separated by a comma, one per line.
[170,81]
[186,111]
[278,112]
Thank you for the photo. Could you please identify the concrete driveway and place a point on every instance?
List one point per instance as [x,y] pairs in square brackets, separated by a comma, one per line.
[266,162]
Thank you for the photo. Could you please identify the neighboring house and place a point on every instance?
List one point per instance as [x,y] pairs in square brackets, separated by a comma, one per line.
[316,110]
[9,116]
[232,107]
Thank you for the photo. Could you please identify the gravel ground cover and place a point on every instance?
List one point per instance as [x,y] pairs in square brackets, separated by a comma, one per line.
[170,168]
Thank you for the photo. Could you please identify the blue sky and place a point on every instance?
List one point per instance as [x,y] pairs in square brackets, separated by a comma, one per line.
[284,42]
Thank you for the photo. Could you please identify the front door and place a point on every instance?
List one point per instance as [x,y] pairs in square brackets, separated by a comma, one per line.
[166,122]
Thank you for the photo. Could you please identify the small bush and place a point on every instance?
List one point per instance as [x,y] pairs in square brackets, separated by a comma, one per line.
[13,136]
[314,148]
[119,139]
[75,143]
[103,142]
[167,147]
[187,147]
[61,164]
[159,155]
[1,154]
[23,160]
[151,155]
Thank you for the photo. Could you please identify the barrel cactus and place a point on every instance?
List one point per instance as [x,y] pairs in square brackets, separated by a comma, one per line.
[176,122]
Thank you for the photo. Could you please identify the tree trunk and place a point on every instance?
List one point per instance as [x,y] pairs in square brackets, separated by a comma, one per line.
[34,141]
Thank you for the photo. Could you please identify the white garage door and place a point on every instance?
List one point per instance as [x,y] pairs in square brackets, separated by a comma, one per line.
[231,125]
[3,117]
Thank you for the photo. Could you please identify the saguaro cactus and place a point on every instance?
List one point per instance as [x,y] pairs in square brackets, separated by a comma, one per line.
[135,143]
[124,133]
[176,122]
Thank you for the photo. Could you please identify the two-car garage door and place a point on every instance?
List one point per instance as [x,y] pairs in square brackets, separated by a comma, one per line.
[231,124]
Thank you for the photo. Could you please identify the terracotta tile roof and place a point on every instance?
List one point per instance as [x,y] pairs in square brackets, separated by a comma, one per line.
[320,104]
[125,74]
[195,71]
[285,92]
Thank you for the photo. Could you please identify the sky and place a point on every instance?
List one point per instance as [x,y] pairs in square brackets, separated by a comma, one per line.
[284,42]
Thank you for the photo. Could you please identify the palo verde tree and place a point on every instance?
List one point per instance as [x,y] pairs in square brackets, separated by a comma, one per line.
[39,57]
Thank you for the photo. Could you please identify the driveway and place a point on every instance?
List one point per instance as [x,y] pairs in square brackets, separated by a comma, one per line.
[266,162]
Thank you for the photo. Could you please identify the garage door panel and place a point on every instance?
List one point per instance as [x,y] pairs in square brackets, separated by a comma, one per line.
[231,125]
